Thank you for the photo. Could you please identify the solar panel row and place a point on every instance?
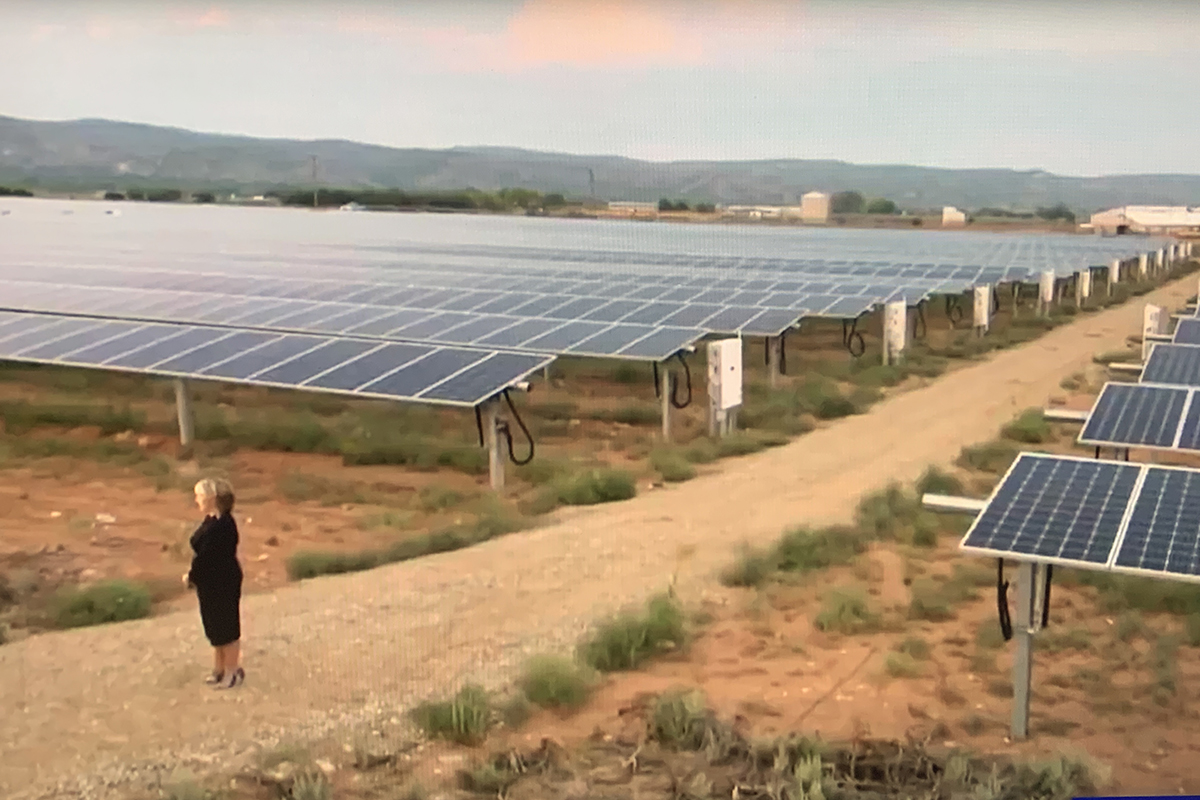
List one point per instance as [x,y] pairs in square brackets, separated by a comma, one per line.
[538,335]
[1172,365]
[1134,518]
[359,367]
[1143,415]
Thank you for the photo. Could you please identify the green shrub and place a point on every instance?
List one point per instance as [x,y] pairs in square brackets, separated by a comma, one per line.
[1192,630]
[594,486]
[989,636]
[439,498]
[993,457]
[1030,427]
[929,601]
[805,549]
[915,647]
[1115,356]
[464,719]
[925,530]
[680,718]
[109,601]
[554,409]
[626,372]
[1120,592]
[739,443]
[637,414]
[413,451]
[885,514]
[701,451]
[752,568]
[21,416]
[901,665]
[311,563]
[934,481]
[554,682]
[628,640]
[672,465]
[846,611]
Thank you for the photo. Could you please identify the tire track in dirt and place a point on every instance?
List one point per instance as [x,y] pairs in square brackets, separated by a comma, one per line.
[326,653]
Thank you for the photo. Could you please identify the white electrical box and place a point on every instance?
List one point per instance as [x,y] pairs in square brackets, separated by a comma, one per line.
[895,324]
[983,307]
[725,373]
[1154,319]
[1046,287]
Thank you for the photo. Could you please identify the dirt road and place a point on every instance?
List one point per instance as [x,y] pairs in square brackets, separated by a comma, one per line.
[333,650]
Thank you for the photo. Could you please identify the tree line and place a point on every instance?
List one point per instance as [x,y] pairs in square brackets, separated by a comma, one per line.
[464,200]
[6,191]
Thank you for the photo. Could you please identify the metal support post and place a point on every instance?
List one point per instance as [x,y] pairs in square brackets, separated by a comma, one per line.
[1143,266]
[491,436]
[183,409]
[1022,676]
[664,392]
[774,360]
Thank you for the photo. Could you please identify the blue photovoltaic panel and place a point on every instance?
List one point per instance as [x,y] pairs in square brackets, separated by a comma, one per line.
[1187,331]
[1055,508]
[413,372]
[1173,364]
[1131,414]
[1163,534]
[1189,432]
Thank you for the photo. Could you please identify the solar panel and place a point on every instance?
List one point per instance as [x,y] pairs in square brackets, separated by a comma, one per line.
[1187,331]
[1173,364]
[1128,415]
[1055,509]
[1163,533]
[358,367]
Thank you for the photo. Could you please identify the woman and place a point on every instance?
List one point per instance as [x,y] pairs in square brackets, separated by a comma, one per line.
[216,576]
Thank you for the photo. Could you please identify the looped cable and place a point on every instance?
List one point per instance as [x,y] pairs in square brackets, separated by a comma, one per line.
[1002,601]
[1046,596]
[687,371]
[954,311]
[507,433]
[921,322]
[850,334]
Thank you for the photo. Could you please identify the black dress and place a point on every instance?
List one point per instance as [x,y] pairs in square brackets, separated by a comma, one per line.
[217,576]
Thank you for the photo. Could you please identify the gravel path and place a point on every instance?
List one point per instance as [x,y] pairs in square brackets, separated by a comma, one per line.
[94,708]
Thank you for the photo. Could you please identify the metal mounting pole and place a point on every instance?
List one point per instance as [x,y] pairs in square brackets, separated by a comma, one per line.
[774,348]
[1022,675]
[183,409]
[491,434]
[664,392]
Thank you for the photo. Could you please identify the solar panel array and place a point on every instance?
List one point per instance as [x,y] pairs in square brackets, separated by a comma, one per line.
[1143,415]
[1110,515]
[1187,331]
[341,365]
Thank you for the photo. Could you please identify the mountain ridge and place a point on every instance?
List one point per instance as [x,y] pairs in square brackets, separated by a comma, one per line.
[97,153]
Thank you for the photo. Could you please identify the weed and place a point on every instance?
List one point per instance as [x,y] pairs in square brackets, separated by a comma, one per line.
[396,520]
[541,471]
[983,662]
[185,788]
[974,724]
[914,647]
[110,601]
[846,611]
[925,530]
[492,779]
[680,719]
[464,719]
[629,639]
[20,417]
[739,443]
[884,515]
[752,568]
[1119,592]
[934,481]
[1000,687]
[672,465]
[901,665]
[439,498]
[990,637]
[1192,630]
[1129,626]
[701,451]
[1074,382]
[929,601]
[554,682]
[554,409]
[602,485]
[993,457]
[311,786]
[1114,356]
[299,487]
[1030,427]
[1165,671]
[636,414]
[805,550]
[1055,640]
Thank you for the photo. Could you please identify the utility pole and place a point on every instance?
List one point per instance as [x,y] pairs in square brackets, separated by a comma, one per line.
[314,178]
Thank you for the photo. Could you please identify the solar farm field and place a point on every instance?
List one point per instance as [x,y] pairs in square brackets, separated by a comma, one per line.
[881,635]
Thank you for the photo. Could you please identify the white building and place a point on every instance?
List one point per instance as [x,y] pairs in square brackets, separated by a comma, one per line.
[1146,219]
[952,217]
[814,207]
[633,207]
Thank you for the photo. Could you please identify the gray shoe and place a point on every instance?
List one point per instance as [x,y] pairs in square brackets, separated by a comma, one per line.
[214,678]
[235,678]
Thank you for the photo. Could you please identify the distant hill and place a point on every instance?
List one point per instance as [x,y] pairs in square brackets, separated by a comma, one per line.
[101,154]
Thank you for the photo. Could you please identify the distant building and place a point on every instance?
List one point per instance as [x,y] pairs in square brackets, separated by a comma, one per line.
[953,218]
[814,207]
[1146,219]
[633,208]
[754,212]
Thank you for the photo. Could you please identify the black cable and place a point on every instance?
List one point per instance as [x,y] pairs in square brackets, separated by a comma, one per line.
[1046,596]
[687,371]
[954,311]
[508,434]
[783,352]
[853,334]
[920,319]
[1002,600]
[657,393]
[479,424]
[995,301]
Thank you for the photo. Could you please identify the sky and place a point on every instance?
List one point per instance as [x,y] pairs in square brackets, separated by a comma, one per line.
[1082,88]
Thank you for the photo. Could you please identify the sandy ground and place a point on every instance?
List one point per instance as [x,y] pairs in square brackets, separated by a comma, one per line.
[82,707]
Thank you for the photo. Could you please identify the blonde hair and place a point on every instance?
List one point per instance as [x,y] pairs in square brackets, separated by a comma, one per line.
[219,489]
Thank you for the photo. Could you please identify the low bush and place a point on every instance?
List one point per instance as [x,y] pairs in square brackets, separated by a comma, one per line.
[934,481]
[628,640]
[672,465]
[464,719]
[806,549]
[555,682]
[846,611]
[1030,427]
[680,718]
[915,647]
[603,485]
[929,601]
[108,601]
[752,568]
[885,514]
[901,665]
[993,457]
